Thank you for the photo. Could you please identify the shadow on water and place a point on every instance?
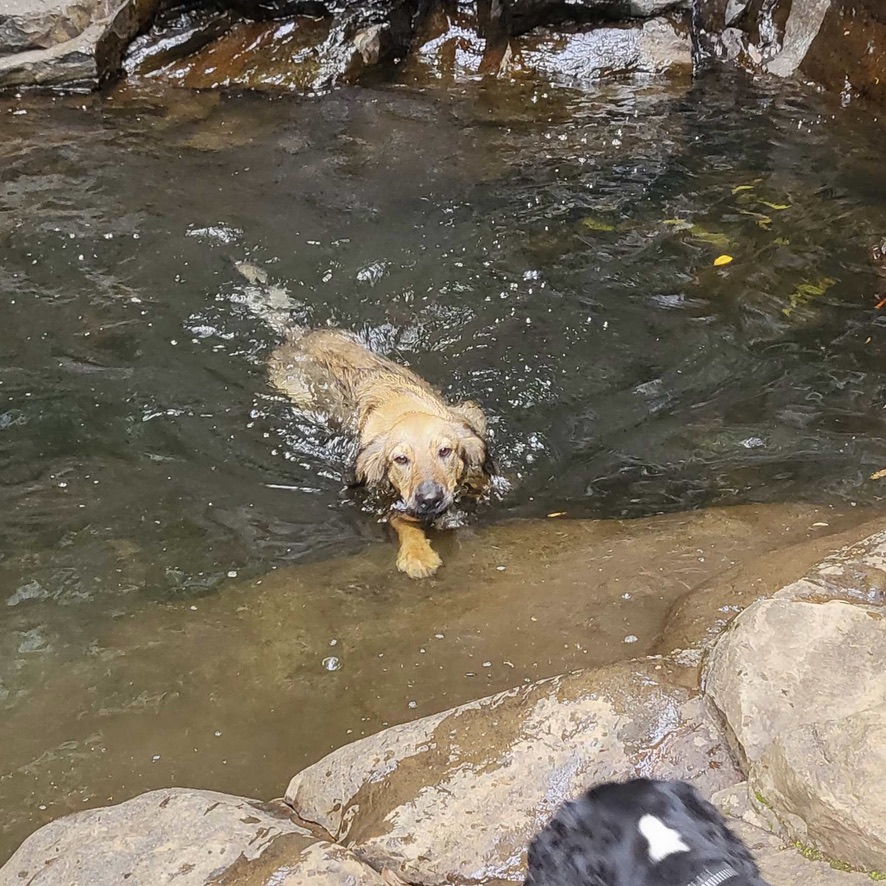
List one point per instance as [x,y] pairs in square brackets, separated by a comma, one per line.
[547,253]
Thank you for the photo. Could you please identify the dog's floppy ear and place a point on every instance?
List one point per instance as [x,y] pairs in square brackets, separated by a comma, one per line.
[372,463]
[472,415]
[473,437]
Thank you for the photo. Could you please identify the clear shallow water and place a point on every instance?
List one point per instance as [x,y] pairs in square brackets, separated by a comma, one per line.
[533,249]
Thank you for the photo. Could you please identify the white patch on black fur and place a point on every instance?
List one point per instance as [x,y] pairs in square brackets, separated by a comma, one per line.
[663,841]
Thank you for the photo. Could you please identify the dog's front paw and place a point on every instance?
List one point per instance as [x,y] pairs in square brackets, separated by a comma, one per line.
[420,562]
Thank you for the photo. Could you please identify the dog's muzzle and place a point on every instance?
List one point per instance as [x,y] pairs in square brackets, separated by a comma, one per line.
[430,500]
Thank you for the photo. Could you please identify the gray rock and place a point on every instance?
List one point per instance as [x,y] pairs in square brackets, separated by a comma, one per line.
[855,574]
[803,25]
[734,10]
[57,42]
[783,865]
[193,838]
[40,24]
[800,684]
[838,44]
[737,802]
[827,783]
[71,63]
[785,664]
[456,797]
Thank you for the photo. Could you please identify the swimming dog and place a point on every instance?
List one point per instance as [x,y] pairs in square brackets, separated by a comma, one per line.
[410,440]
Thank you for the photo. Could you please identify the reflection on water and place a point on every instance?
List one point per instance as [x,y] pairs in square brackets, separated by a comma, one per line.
[547,253]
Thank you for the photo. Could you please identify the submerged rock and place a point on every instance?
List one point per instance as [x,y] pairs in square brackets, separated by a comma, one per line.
[194,838]
[456,797]
[573,591]
[800,684]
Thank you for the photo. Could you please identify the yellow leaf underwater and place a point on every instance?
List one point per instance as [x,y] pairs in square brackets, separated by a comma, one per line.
[557,514]
[878,475]
[805,293]
[681,224]
[762,220]
[776,205]
[721,260]
[739,188]
[593,224]
[715,238]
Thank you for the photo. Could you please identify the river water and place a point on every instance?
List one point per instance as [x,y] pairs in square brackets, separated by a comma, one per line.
[550,253]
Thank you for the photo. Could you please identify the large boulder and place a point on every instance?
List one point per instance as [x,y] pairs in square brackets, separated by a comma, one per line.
[456,797]
[800,684]
[67,42]
[192,838]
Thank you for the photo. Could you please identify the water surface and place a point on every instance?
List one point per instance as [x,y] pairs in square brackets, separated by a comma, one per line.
[548,253]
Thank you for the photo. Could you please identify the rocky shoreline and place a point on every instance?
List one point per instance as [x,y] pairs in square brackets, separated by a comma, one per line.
[454,798]
[311,46]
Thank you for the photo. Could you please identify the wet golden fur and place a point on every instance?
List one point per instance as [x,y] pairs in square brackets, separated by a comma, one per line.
[410,440]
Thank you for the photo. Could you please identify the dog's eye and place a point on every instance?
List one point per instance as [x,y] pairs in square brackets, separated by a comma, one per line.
[401,459]
[445,452]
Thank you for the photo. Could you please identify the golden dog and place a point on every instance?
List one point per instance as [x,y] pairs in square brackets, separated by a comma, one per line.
[410,440]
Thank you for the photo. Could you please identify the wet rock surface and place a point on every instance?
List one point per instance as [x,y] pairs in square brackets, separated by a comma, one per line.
[192,838]
[428,798]
[653,47]
[310,46]
[449,42]
[838,44]
[301,47]
[525,14]
[799,682]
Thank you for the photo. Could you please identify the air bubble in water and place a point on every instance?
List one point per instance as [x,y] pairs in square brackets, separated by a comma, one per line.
[331,663]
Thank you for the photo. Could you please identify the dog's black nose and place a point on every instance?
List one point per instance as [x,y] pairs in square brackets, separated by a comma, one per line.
[429,498]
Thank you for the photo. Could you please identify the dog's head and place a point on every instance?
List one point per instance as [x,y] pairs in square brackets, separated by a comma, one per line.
[427,458]
[640,833]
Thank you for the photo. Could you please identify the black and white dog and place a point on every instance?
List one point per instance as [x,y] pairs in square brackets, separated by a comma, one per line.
[640,833]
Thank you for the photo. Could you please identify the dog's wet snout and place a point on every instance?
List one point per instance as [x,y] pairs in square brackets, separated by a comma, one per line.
[429,498]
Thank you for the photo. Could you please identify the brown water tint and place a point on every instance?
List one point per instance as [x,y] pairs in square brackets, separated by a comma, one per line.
[545,252]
